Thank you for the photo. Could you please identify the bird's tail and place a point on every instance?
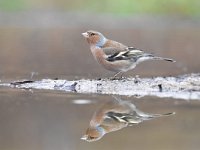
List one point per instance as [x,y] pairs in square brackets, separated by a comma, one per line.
[161,58]
[162,115]
[149,116]
[131,120]
[152,116]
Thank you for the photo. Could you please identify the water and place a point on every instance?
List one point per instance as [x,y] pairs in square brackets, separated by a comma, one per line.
[49,120]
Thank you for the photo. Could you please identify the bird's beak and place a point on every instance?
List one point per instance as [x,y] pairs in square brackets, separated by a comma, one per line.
[84,137]
[85,34]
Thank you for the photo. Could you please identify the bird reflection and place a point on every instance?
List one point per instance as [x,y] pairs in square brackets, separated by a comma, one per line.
[115,115]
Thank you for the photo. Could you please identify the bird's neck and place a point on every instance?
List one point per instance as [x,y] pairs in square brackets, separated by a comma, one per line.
[101,130]
[102,40]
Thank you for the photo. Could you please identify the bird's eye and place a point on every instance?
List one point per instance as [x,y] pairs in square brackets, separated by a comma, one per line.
[92,34]
[91,137]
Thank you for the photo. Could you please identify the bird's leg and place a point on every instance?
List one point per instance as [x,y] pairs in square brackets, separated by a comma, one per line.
[121,76]
[117,98]
[137,79]
[115,76]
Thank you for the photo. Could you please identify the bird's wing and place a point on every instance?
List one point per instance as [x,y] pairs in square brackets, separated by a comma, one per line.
[124,117]
[128,53]
[112,50]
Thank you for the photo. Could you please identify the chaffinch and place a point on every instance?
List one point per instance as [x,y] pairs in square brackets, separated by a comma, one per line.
[114,116]
[115,56]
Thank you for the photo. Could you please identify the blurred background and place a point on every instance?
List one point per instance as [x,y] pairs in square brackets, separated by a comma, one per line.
[126,7]
[43,37]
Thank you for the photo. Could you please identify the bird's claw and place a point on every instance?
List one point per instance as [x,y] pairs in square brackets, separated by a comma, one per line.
[117,78]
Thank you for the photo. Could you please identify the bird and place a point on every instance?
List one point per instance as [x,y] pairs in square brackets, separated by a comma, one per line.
[115,115]
[115,56]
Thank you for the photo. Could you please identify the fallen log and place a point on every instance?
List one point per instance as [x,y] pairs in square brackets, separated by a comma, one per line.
[185,87]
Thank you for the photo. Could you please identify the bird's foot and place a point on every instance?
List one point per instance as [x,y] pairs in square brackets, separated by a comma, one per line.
[113,78]
[137,79]
[98,79]
[117,78]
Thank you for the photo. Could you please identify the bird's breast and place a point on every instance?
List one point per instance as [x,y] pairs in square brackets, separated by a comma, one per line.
[98,54]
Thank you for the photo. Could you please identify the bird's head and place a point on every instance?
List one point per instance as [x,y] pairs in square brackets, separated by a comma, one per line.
[95,38]
[93,134]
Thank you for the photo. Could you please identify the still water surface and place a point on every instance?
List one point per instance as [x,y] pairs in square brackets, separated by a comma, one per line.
[47,120]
